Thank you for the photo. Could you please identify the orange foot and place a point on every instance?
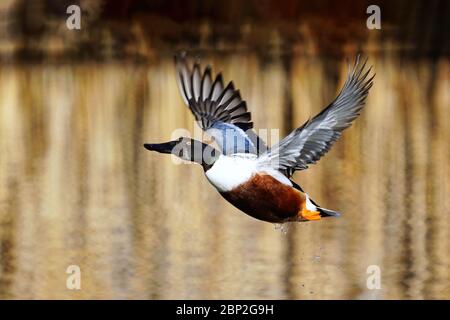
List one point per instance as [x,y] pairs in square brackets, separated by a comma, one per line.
[310,215]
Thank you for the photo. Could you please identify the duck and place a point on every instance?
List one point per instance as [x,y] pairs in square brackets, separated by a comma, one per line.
[252,177]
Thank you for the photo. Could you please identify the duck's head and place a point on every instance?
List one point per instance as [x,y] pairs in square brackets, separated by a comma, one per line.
[187,149]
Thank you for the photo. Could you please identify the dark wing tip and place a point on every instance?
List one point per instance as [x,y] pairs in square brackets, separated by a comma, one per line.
[219,77]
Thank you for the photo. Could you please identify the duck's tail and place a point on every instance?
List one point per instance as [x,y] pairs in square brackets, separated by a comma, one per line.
[325,212]
[328,213]
[312,211]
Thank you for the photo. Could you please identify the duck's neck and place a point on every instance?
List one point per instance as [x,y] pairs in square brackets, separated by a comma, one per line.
[207,158]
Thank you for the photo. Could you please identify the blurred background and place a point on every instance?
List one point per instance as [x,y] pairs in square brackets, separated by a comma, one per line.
[78,188]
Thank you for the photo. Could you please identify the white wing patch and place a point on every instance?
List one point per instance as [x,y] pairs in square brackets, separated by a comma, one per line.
[228,172]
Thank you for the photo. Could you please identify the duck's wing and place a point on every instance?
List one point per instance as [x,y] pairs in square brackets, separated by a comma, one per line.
[308,143]
[218,109]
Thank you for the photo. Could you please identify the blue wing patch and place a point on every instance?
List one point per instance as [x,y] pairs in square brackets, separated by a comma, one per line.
[231,139]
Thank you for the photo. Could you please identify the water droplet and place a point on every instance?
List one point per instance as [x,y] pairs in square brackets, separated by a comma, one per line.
[283,227]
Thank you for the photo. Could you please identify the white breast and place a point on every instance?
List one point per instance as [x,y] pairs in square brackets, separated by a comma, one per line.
[230,171]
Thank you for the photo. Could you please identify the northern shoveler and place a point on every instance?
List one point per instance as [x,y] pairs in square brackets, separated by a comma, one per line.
[252,177]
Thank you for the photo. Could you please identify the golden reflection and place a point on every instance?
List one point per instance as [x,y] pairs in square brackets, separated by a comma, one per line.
[77,187]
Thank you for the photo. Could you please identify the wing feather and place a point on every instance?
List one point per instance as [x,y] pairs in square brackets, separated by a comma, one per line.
[308,143]
[213,103]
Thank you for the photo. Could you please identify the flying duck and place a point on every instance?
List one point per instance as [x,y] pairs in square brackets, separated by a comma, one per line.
[254,178]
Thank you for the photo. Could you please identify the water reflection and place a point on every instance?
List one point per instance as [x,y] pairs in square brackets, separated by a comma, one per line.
[77,187]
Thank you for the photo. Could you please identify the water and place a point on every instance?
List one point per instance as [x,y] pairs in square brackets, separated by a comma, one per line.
[78,188]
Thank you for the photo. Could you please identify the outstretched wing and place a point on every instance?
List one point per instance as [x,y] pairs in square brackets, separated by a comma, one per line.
[219,109]
[308,143]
